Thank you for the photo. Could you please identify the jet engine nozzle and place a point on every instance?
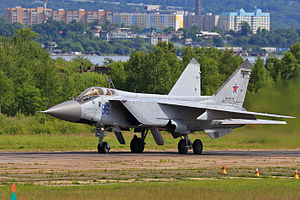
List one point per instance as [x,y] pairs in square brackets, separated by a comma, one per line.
[68,111]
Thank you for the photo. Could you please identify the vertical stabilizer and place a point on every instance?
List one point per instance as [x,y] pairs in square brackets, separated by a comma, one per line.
[233,91]
[188,83]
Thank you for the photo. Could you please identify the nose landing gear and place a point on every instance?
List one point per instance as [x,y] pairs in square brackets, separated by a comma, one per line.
[103,147]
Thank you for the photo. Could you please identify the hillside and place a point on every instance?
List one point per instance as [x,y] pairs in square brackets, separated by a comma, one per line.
[284,13]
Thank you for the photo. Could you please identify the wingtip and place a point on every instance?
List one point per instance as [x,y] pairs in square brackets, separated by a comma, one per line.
[290,117]
[286,117]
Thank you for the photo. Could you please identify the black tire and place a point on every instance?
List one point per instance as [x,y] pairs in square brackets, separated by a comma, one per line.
[99,148]
[197,147]
[103,147]
[137,145]
[182,147]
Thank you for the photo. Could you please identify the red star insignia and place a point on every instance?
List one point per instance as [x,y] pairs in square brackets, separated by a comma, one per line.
[235,87]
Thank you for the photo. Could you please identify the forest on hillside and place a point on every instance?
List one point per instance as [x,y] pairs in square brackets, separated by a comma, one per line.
[78,36]
[284,13]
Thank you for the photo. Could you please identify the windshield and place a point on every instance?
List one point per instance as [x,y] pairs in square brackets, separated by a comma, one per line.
[93,92]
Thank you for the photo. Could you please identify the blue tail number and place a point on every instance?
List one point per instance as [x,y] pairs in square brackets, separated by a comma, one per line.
[105,109]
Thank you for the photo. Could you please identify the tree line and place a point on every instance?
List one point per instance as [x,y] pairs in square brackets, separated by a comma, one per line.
[158,70]
[30,80]
[275,70]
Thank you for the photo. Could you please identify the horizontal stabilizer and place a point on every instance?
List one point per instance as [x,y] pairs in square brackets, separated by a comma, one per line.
[217,108]
[249,122]
[249,112]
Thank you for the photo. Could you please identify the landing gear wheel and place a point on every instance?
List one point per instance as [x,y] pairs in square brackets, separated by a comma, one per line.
[137,145]
[103,147]
[197,147]
[182,147]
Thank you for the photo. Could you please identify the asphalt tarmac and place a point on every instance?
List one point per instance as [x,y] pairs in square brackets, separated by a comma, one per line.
[84,160]
[86,166]
[6,156]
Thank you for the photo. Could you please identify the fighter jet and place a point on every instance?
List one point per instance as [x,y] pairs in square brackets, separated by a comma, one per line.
[181,112]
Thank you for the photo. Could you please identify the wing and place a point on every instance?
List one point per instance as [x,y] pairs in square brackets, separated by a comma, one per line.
[146,112]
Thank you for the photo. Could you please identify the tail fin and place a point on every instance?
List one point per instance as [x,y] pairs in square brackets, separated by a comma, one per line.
[233,91]
[188,83]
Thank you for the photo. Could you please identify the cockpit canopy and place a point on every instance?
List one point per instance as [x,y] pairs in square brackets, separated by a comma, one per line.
[94,92]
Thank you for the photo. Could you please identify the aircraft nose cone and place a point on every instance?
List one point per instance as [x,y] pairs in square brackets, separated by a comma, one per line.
[68,111]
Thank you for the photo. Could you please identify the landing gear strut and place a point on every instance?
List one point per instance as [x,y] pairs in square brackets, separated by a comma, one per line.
[137,145]
[185,144]
[103,147]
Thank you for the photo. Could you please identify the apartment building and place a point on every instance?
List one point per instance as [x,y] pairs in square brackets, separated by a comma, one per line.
[26,16]
[234,20]
[149,20]
[82,15]
[32,16]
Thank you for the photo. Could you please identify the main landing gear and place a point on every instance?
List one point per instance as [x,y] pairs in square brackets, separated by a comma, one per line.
[137,145]
[185,144]
[103,147]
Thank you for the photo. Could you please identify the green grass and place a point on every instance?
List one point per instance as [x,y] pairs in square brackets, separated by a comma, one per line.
[39,124]
[46,142]
[244,138]
[204,189]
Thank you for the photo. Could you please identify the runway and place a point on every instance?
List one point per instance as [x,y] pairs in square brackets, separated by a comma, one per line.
[88,166]
[256,153]
[85,160]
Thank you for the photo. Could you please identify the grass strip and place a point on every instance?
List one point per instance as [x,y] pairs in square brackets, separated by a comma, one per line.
[268,188]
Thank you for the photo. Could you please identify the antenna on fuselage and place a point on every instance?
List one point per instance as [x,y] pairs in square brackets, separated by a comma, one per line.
[110,83]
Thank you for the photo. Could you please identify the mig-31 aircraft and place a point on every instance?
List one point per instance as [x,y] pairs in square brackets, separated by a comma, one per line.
[181,112]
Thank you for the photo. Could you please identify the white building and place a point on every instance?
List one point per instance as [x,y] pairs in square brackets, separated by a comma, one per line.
[233,20]
[149,20]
